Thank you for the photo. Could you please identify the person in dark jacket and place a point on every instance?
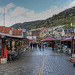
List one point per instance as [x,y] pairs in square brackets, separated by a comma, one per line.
[39,45]
[31,45]
[53,46]
[43,46]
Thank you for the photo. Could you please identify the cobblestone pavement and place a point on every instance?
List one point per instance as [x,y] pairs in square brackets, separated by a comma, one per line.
[36,62]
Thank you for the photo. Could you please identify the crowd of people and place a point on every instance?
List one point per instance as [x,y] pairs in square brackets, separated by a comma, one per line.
[35,45]
[41,46]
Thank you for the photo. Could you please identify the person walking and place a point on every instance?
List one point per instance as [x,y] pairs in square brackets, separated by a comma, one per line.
[53,46]
[43,46]
[39,45]
[31,45]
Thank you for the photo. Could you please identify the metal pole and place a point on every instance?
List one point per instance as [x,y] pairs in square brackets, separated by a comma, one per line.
[4,20]
[72,45]
[4,16]
[71,48]
[3,37]
[3,42]
[52,30]
[72,42]
[60,41]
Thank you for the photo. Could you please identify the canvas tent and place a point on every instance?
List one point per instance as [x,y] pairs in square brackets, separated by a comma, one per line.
[49,39]
[68,39]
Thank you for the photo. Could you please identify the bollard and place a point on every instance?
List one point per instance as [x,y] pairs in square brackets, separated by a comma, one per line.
[3,60]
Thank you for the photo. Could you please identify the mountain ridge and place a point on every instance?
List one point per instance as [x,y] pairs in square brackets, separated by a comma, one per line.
[65,17]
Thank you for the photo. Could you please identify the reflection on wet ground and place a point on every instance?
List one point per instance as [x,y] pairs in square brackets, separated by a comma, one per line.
[39,62]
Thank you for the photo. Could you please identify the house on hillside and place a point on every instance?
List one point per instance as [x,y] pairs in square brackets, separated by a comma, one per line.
[36,33]
[44,32]
[69,32]
[52,32]
[60,32]
[39,33]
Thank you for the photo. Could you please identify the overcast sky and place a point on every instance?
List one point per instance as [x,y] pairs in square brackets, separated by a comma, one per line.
[19,11]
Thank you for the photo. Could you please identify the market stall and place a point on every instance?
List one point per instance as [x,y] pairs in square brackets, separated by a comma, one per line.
[70,42]
[50,40]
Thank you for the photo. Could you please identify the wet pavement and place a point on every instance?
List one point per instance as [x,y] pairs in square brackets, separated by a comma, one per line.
[39,62]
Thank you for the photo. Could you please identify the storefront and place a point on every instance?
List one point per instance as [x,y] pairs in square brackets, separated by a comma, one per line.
[70,43]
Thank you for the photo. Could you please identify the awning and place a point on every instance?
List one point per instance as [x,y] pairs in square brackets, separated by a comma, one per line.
[67,39]
[49,39]
[11,36]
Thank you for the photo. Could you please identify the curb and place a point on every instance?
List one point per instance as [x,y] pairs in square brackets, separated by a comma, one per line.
[72,60]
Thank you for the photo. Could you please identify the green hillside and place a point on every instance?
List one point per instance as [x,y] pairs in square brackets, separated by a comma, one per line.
[63,18]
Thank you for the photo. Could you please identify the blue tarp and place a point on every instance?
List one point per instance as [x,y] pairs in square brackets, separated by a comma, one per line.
[46,45]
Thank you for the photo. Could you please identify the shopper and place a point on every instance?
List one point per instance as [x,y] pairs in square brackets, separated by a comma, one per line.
[39,45]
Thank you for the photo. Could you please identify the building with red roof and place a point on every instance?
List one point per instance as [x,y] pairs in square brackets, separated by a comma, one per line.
[39,33]
[7,29]
[2,28]
[17,33]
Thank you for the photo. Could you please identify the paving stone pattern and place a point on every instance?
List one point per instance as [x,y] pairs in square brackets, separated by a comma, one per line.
[29,63]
